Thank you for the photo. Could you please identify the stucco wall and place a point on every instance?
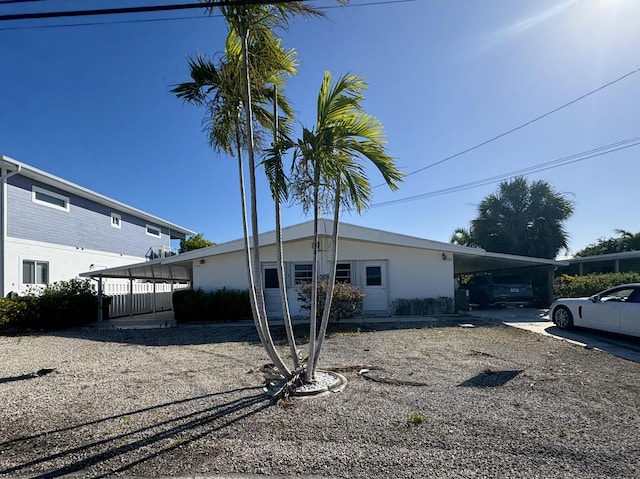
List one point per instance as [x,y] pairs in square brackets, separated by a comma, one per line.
[411,272]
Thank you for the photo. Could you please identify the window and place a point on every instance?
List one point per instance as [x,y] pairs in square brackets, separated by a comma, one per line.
[302,273]
[35,272]
[343,273]
[116,220]
[153,231]
[49,198]
[374,276]
[271,278]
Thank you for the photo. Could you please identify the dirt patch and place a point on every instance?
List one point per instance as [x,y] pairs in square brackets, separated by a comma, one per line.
[437,401]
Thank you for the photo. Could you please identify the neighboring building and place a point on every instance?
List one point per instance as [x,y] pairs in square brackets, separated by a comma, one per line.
[385,265]
[603,263]
[53,230]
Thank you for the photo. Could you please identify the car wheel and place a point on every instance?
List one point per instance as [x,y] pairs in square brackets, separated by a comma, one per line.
[562,317]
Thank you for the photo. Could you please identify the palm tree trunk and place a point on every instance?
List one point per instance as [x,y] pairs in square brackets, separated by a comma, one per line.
[260,308]
[332,278]
[282,280]
[247,247]
[286,314]
[310,373]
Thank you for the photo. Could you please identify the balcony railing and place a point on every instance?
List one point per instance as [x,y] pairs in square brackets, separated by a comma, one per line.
[156,252]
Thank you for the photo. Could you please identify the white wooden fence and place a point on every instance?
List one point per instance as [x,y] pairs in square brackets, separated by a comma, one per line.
[139,298]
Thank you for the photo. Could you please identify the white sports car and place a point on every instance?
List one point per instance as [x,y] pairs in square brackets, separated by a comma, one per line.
[616,310]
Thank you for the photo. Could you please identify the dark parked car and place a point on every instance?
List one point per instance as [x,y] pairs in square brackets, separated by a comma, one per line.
[486,290]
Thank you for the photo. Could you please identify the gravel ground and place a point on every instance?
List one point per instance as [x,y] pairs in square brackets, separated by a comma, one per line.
[440,401]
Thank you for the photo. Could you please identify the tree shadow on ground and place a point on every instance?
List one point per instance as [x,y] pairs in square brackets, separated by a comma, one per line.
[160,430]
[490,379]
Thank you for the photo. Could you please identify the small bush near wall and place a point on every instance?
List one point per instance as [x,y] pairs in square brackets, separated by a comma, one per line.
[346,303]
[63,304]
[223,305]
[587,285]
[422,306]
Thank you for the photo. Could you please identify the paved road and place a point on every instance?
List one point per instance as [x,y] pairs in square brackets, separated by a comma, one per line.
[537,320]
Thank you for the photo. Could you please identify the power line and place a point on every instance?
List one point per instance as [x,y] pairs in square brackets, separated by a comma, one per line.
[6,2]
[146,20]
[567,160]
[512,130]
[143,9]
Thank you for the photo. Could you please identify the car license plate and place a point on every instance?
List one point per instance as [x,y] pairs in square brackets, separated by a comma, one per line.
[515,290]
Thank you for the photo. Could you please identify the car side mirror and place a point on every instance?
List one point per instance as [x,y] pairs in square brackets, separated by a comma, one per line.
[594,299]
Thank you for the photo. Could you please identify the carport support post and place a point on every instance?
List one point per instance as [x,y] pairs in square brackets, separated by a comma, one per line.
[549,289]
[130,296]
[100,316]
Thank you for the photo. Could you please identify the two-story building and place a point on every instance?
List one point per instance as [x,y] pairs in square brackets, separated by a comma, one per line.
[52,229]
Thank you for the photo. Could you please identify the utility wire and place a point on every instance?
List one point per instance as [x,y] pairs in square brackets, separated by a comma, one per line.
[508,132]
[6,2]
[146,20]
[142,9]
[567,160]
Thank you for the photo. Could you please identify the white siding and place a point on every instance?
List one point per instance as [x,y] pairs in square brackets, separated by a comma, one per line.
[64,262]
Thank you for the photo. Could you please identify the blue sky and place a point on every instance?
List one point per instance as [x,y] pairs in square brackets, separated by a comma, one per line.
[91,104]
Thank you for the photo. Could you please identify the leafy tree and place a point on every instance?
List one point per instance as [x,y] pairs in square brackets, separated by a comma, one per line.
[194,242]
[626,241]
[521,218]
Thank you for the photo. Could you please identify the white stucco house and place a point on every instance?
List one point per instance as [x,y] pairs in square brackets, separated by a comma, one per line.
[385,265]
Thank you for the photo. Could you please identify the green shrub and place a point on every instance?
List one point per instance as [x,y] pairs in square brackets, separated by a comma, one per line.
[590,284]
[423,306]
[346,303]
[63,304]
[223,305]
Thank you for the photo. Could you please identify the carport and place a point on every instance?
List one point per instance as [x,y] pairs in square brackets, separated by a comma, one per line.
[170,269]
[481,261]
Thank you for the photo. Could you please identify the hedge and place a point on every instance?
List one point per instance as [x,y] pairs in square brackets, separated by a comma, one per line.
[63,304]
[223,305]
[590,284]
[423,306]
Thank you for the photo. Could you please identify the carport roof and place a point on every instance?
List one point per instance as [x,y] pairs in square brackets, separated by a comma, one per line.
[466,260]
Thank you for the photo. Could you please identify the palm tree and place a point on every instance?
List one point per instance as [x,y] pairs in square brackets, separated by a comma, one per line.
[218,87]
[327,175]
[523,218]
[462,237]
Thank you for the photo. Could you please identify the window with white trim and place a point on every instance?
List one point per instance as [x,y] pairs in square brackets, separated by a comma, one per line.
[302,273]
[49,198]
[154,231]
[116,220]
[35,272]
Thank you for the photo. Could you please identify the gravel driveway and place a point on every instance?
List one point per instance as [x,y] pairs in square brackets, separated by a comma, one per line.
[441,401]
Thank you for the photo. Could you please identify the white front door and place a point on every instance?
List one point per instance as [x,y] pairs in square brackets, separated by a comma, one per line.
[374,274]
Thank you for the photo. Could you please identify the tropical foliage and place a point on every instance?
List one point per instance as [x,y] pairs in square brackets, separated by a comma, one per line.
[237,90]
[626,241]
[329,174]
[522,218]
